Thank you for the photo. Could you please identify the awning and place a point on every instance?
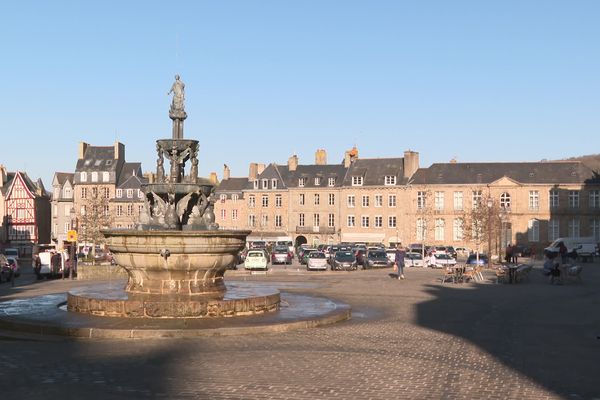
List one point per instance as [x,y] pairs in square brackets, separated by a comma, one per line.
[363,237]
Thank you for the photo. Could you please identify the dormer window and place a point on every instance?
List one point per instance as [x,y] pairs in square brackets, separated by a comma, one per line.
[105,177]
[83,176]
[256,184]
[318,181]
[119,193]
[67,192]
[301,182]
[234,197]
[129,193]
[265,183]
[390,180]
[357,181]
[273,183]
[223,197]
[140,194]
[331,182]
[94,176]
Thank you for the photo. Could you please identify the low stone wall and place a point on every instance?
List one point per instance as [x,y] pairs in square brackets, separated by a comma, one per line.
[88,272]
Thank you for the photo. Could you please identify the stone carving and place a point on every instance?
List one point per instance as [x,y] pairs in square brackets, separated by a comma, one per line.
[178,90]
[160,169]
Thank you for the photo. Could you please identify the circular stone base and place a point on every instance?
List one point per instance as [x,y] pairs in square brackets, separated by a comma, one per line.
[108,301]
[45,317]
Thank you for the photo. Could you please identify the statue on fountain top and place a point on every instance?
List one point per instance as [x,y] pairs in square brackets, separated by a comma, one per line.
[177,112]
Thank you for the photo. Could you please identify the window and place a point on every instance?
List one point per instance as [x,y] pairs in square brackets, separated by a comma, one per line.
[420,200]
[56,192]
[251,202]
[457,229]
[533,230]
[301,219]
[351,200]
[105,177]
[365,201]
[331,182]
[458,201]
[301,199]
[389,180]
[574,228]
[595,229]
[84,193]
[83,176]
[392,200]
[534,200]
[119,210]
[476,198]
[106,193]
[95,192]
[278,221]
[316,220]
[273,183]
[421,229]
[94,176]
[223,197]
[392,221]
[67,227]
[265,183]
[67,192]
[378,221]
[553,199]
[264,220]
[234,197]
[265,201]
[439,201]
[351,221]
[234,215]
[318,181]
[106,210]
[119,193]
[573,200]
[364,221]
[357,181]
[251,220]
[301,182]
[277,200]
[317,199]
[140,194]
[505,201]
[140,209]
[378,200]
[331,199]
[439,229]
[553,229]
[594,198]
[129,209]
[255,184]
[331,220]
[129,193]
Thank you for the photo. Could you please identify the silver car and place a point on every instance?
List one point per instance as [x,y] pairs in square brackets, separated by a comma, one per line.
[316,260]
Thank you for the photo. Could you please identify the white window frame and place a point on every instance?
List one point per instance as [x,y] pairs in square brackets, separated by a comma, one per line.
[533,230]
[389,180]
[458,201]
[94,176]
[265,200]
[255,184]
[421,229]
[365,200]
[301,199]
[392,201]
[594,198]
[476,197]
[265,184]
[457,230]
[67,192]
[331,199]
[574,228]
[119,193]
[357,181]
[317,181]
[553,229]
[278,221]
[378,221]
[351,221]
[251,220]
[130,193]
[83,176]
[316,219]
[234,214]
[534,200]
[440,227]
[331,220]
[365,221]
[301,182]
[273,183]
[439,201]
[317,199]
[595,229]
[505,201]
[392,221]
[553,199]
[351,201]
[301,219]
[251,201]
[234,198]
[378,200]
[331,182]
[105,176]
[223,198]
[421,199]
[573,199]
[278,200]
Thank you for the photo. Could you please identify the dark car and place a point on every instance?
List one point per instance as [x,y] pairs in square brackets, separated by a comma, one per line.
[344,260]
[281,255]
[451,251]
[376,259]
[472,259]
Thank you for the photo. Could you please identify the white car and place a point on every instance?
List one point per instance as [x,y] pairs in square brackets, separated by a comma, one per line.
[462,251]
[440,261]
[413,260]
[256,260]
[316,260]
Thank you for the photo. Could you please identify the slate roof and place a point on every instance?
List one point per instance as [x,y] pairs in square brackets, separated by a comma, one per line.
[561,172]
[233,186]
[63,177]
[374,171]
[100,159]
[290,178]
[129,170]
[32,186]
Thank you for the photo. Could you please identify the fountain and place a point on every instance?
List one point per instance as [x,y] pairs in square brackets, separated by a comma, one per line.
[176,258]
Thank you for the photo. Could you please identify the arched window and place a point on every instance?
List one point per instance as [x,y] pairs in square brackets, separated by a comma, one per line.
[505,201]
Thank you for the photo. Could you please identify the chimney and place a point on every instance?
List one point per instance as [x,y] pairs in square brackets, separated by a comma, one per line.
[253,171]
[350,156]
[411,163]
[119,151]
[261,168]
[293,163]
[82,148]
[213,178]
[150,176]
[226,172]
[321,157]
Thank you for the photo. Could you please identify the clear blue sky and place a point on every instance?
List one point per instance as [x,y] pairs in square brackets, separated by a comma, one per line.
[476,80]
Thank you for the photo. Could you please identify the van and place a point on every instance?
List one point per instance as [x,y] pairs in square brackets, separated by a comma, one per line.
[584,246]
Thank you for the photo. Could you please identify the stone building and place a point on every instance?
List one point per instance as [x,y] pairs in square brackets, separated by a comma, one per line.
[63,210]
[390,200]
[129,197]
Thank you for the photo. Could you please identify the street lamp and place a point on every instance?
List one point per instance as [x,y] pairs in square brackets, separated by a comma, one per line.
[490,203]
[73,217]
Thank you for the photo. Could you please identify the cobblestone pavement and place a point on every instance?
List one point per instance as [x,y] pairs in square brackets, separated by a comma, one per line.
[412,339]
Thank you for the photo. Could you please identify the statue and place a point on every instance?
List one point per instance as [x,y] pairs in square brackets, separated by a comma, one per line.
[178,96]
[160,169]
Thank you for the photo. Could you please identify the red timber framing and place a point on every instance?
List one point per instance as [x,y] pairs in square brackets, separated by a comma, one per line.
[20,212]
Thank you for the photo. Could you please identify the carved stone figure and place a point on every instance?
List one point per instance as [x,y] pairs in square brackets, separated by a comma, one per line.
[178,90]
[160,169]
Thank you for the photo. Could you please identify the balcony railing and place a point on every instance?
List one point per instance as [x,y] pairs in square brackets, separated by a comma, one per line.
[315,229]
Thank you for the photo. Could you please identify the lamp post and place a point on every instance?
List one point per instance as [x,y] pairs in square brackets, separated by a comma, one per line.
[490,203]
[73,242]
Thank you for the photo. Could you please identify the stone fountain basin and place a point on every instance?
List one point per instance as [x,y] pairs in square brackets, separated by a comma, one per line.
[170,262]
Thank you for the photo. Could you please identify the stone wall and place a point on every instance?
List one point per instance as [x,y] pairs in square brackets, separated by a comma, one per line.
[88,272]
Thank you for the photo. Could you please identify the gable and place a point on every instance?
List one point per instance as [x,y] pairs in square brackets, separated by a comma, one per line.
[505,182]
[18,189]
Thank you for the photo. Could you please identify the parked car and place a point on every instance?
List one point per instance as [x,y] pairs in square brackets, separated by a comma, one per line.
[416,248]
[413,260]
[304,255]
[256,260]
[472,259]
[287,243]
[5,271]
[281,255]
[462,251]
[14,266]
[376,259]
[316,260]
[440,261]
[344,260]
[11,252]
[450,250]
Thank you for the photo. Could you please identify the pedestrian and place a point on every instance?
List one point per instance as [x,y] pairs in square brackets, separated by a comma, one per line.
[562,250]
[399,260]
[508,253]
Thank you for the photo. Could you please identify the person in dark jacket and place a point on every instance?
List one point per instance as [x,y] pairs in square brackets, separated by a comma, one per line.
[399,260]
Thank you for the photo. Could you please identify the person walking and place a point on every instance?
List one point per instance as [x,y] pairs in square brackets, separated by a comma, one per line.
[399,260]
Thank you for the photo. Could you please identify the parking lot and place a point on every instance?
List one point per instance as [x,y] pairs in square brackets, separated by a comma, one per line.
[413,339]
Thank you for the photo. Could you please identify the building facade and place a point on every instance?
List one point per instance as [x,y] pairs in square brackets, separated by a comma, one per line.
[63,209]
